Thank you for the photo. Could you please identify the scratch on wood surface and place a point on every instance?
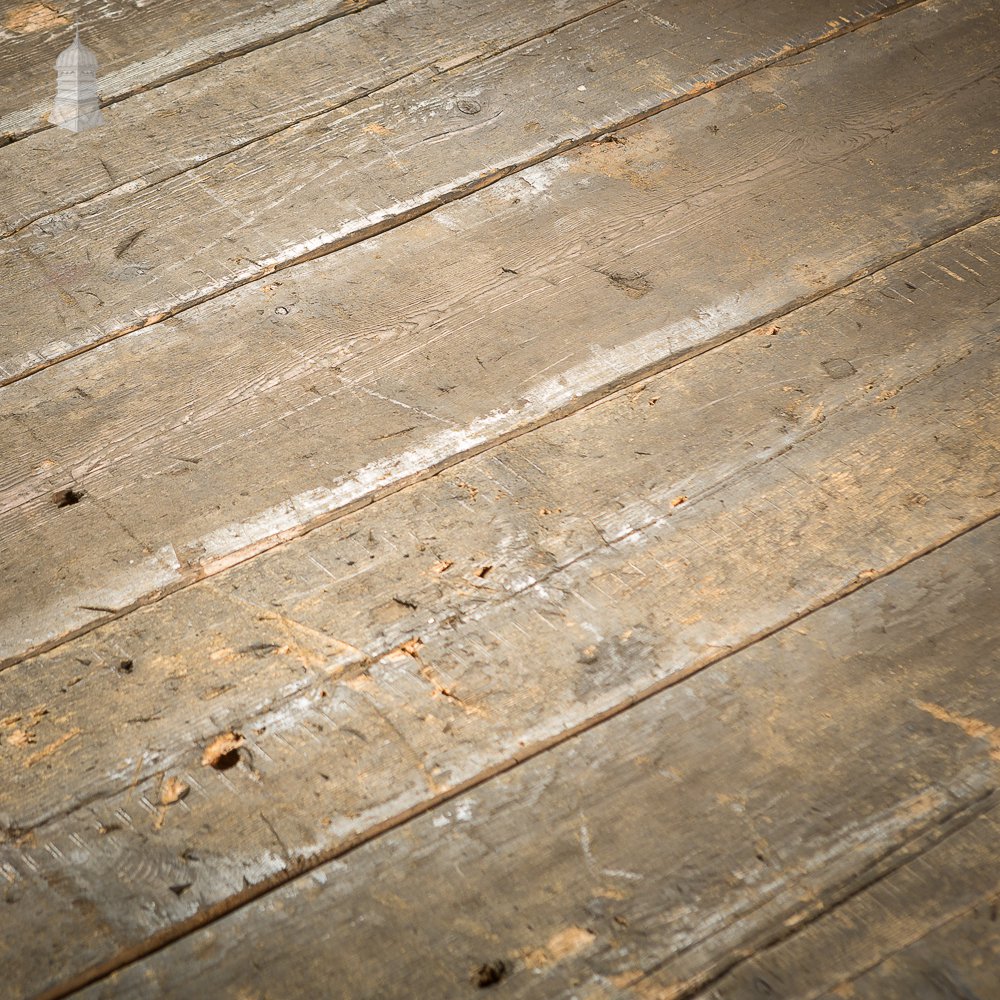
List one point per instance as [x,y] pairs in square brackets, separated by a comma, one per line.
[47,751]
[975,728]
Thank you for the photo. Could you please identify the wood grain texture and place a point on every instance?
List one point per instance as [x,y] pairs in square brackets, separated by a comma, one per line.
[928,929]
[381,663]
[635,859]
[358,373]
[958,959]
[160,133]
[359,169]
[138,44]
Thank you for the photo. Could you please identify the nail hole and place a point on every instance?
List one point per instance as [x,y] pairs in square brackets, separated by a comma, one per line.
[66,498]
[226,761]
[126,667]
[489,974]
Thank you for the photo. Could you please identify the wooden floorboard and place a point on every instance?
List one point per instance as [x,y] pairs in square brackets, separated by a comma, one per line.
[435,638]
[158,432]
[356,170]
[958,959]
[928,929]
[634,859]
[138,45]
[501,491]
[204,114]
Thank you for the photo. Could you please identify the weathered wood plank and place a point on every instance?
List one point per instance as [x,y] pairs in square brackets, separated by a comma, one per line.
[358,374]
[705,820]
[537,587]
[959,959]
[204,114]
[887,940]
[138,45]
[330,180]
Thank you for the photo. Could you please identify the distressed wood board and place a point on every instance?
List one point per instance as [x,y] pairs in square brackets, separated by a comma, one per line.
[434,638]
[138,44]
[157,134]
[440,352]
[581,447]
[638,858]
[334,178]
[959,958]
[928,929]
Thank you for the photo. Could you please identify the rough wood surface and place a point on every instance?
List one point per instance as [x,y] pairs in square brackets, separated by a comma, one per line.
[915,932]
[959,959]
[356,374]
[138,44]
[160,133]
[127,260]
[429,640]
[634,860]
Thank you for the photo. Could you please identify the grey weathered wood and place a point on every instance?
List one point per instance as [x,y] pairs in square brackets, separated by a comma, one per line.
[241,100]
[634,860]
[138,45]
[887,940]
[959,959]
[576,583]
[356,374]
[332,179]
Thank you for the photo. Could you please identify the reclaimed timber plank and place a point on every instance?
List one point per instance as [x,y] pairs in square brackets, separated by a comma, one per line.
[138,45]
[339,176]
[380,664]
[914,932]
[959,959]
[633,860]
[357,374]
[160,133]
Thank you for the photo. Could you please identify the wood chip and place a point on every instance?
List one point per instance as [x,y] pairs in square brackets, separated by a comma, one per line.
[217,753]
[677,501]
[173,790]
[442,565]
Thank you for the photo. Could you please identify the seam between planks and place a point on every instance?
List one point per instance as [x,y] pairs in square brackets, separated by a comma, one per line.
[207,63]
[364,95]
[909,944]
[214,567]
[159,941]
[879,869]
[711,79]
[359,660]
